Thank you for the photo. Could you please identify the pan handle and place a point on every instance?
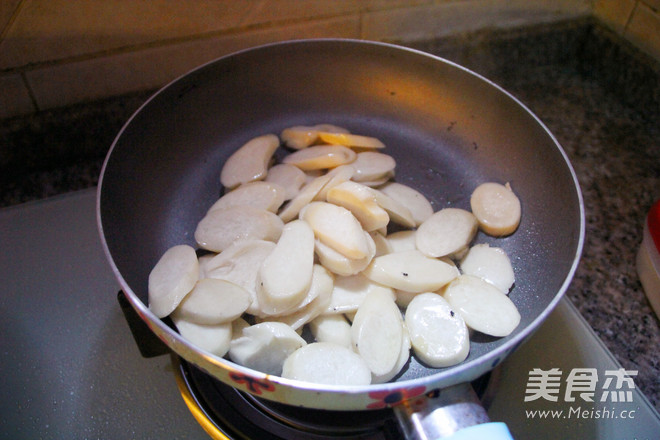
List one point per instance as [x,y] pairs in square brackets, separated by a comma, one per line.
[454,414]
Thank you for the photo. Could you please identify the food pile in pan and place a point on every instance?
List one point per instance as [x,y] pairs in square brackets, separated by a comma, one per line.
[302,279]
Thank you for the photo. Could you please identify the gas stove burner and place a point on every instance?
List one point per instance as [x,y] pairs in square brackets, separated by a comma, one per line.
[226,413]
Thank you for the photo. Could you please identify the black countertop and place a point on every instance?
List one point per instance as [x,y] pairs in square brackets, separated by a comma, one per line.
[598,95]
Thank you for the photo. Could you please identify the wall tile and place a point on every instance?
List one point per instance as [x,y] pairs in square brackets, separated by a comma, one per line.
[444,18]
[76,50]
[643,30]
[653,4]
[274,10]
[7,10]
[48,30]
[14,99]
[69,83]
[614,13]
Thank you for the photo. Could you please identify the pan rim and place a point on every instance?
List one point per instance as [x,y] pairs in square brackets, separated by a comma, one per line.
[489,359]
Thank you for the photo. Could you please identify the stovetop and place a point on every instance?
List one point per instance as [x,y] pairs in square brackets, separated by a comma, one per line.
[71,368]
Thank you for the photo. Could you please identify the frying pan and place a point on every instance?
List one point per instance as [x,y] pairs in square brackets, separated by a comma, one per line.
[448,128]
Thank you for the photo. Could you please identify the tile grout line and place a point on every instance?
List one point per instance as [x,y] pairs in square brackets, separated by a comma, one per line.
[629,18]
[12,19]
[30,92]
[162,43]
[360,13]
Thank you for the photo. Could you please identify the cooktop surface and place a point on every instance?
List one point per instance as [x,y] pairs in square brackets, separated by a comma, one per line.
[71,368]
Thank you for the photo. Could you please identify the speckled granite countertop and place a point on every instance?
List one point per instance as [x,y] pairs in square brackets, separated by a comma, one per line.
[600,98]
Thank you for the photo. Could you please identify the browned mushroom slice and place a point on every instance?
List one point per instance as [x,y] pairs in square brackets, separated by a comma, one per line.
[497,208]
[350,140]
[321,157]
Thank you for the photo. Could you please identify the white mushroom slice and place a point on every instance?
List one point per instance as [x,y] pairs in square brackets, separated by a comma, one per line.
[289,177]
[314,289]
[398,213]
[337,176]
[401,241]
[459,254]
[490,263]
[326,363]
[286,274]
[445,232]
[377,331]
[350,140]
[331,328]
[221,227]
[438,334]
[304,197]
[411,271]
[213,302]
[337,228]
[310,175]
[250,162]
[338,263]
[260,195]
[419,206]
[204,261]
[404,356]
[376,183]
[483,306]
[403,298]
[349,292]
[265,346]
[497,208]
[240,263]
[361,201]
[371,165]
[299,136]
[212,338]
[237,326]
[382,244]
[321,292]
[321,157]
[172,278]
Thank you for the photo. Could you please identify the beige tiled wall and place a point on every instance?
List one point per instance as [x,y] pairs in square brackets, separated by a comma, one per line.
[58,52]
[636,20]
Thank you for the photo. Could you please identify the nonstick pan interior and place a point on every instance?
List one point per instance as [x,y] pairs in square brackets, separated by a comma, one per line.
[448,129]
